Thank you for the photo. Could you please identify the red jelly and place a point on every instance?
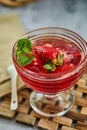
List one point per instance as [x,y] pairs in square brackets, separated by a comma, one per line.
[49,49]
[62,77]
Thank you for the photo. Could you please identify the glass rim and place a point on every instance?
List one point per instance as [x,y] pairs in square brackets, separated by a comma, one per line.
[58,76]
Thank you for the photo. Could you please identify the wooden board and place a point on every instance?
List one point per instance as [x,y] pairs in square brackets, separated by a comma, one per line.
[73,120]
[15,3]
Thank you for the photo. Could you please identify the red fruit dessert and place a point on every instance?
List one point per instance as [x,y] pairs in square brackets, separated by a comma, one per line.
[46,52]
[50,60]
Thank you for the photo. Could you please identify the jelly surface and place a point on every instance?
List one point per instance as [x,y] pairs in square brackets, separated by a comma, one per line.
[45,49]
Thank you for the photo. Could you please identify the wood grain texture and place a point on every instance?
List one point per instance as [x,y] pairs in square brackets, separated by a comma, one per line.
[76,116]
[48,125]
[25,118]
[81,125]
[81,82]
[7,113]
[68,128]
[23,109]
[33,113]
[82,89]
[63,120]
[81,102]
[84,110]
[74,108]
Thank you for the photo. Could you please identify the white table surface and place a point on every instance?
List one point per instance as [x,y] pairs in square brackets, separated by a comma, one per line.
[71,14]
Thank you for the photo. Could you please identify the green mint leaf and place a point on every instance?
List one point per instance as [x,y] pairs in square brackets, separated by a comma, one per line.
[24,60]
[18,52]
[60,59]
[24,52]
[20,44]
[30,45]
[49,66]
[23,46]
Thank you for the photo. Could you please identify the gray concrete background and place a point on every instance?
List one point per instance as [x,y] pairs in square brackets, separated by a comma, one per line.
[71,14]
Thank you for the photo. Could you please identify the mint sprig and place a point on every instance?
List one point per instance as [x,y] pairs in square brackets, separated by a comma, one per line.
[24,52]
[52,65]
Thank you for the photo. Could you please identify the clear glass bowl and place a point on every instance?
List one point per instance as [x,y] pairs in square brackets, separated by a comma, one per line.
[52,95]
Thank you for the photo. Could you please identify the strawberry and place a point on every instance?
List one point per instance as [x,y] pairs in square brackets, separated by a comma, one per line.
[45,53]
[34,66]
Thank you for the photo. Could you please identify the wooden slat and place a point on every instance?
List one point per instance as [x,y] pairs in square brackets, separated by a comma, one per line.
[33,113]
[51,108]
[84,77]
[6,103]
[25,94]
[26,102]
[77,93]
[74,108]
[6,112]
[26,119]
[81,82]
[81,126]
[82,89]
[20,98]
[48,125]
[84,110]
[23,108]
[63,120]
[76,116]
[81,102]
[68,128]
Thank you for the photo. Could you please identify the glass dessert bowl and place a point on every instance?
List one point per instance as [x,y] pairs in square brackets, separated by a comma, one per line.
[55,62]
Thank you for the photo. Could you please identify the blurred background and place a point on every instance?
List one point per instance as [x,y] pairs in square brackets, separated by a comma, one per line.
[71,14]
